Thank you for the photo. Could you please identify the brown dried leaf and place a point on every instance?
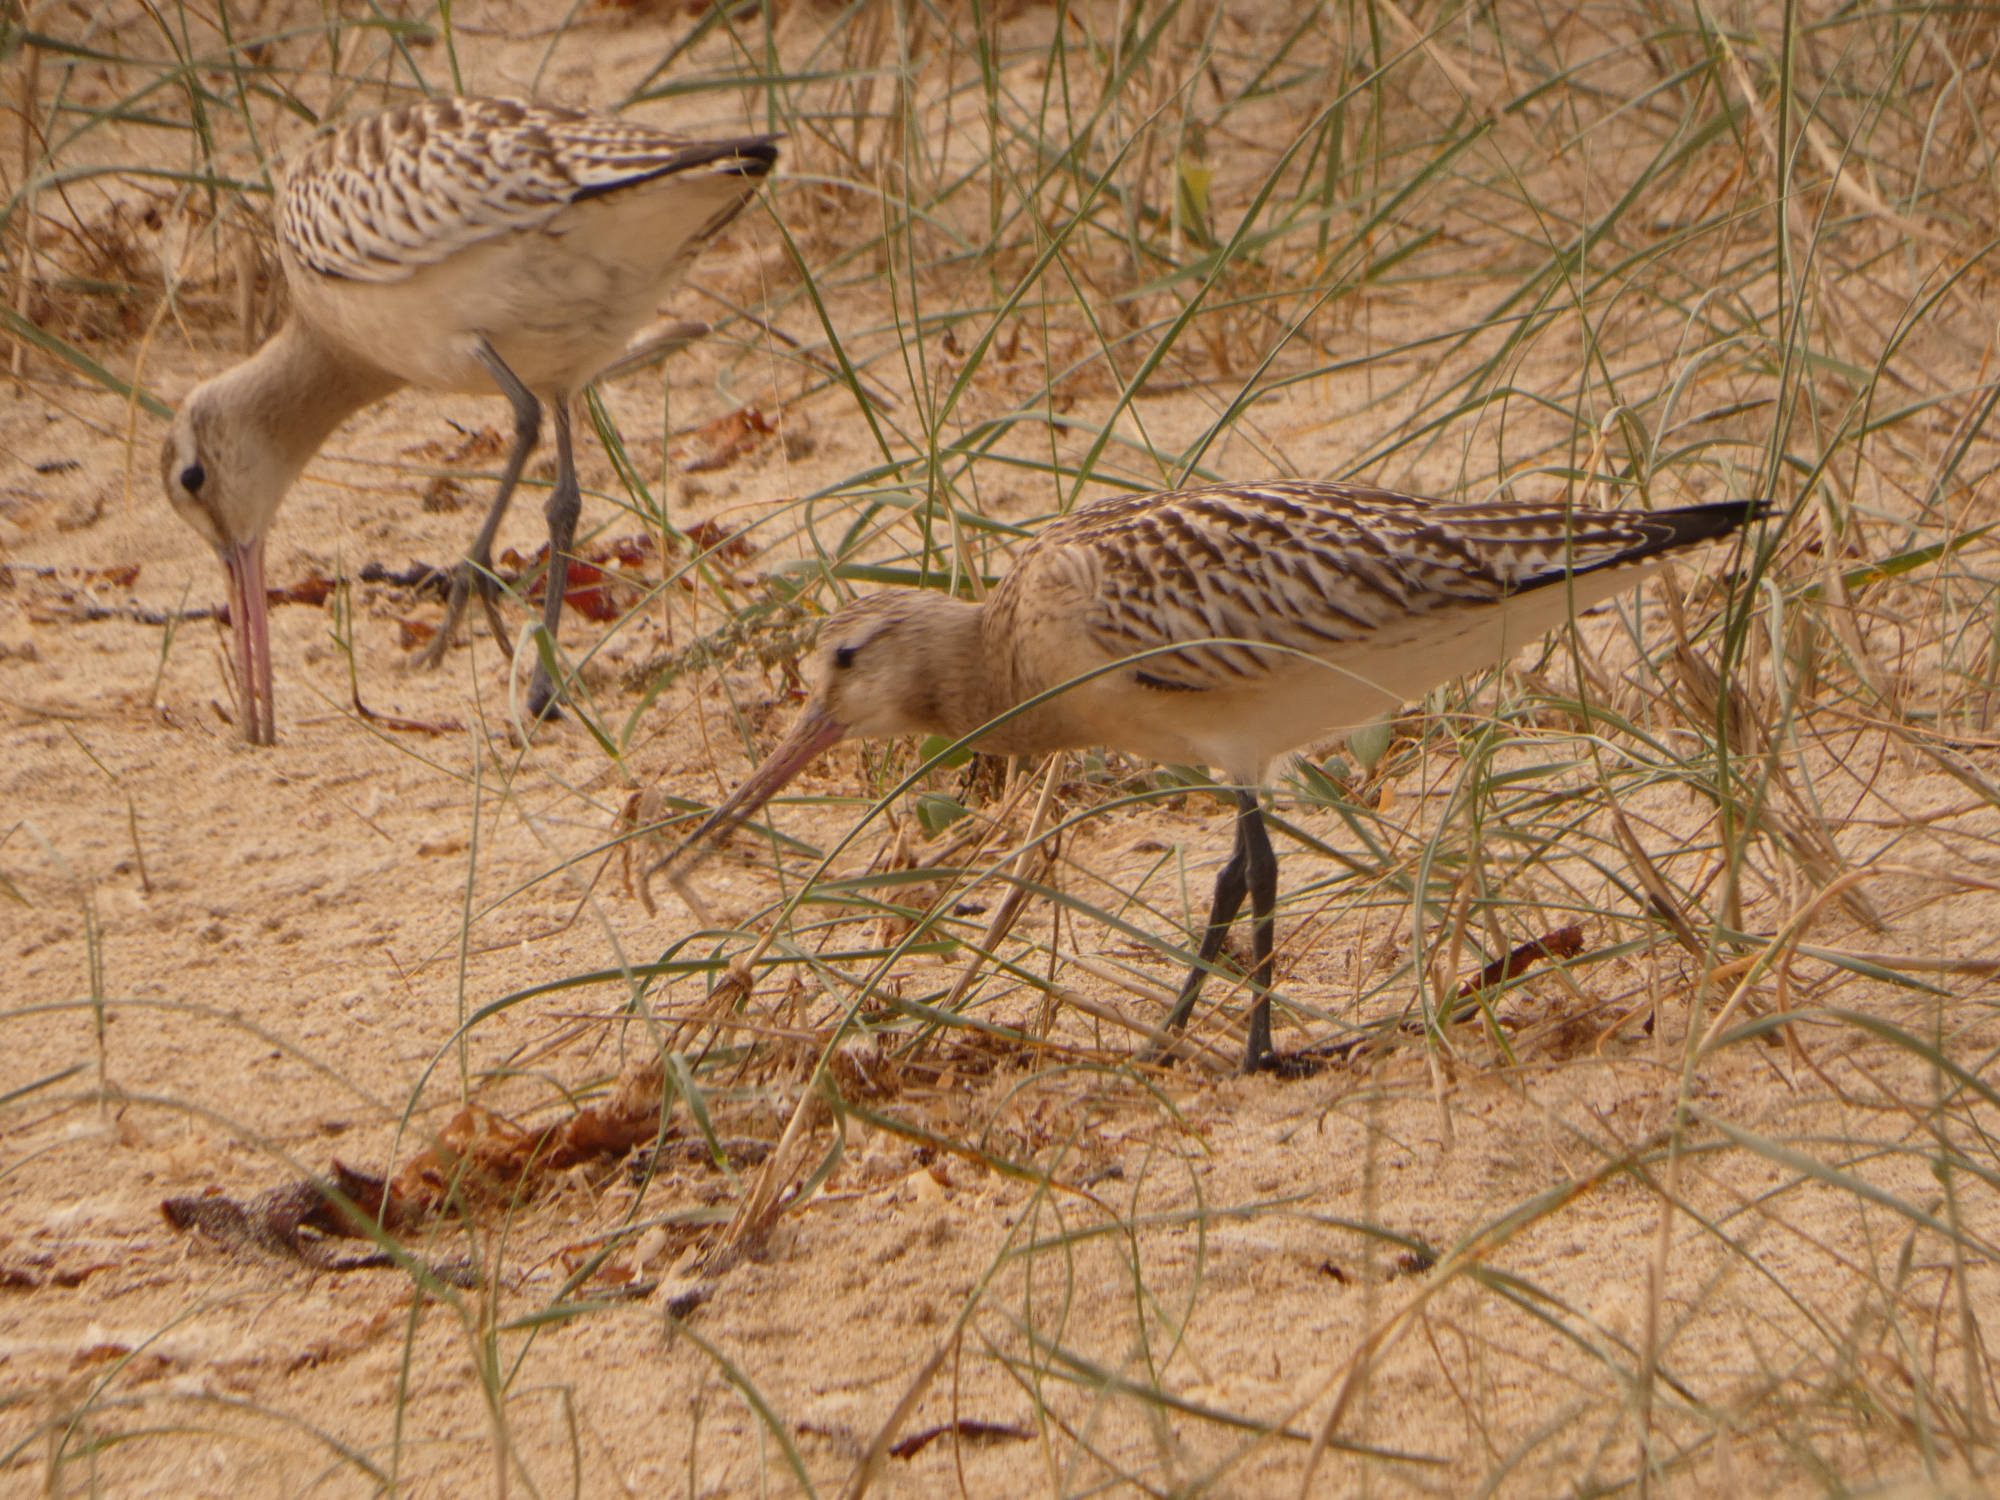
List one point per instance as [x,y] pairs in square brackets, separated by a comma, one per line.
[717,444]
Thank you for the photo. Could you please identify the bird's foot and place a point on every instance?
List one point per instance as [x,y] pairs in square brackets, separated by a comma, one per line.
[1306,1063]
[1288,1066]
[467,578]
[544,702]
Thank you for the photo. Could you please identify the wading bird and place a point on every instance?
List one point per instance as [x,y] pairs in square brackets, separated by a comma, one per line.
[456,244]
[1222,626]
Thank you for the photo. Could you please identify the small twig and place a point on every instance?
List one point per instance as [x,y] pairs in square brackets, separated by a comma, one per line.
[1564,942]
[409,726]
[964,1427]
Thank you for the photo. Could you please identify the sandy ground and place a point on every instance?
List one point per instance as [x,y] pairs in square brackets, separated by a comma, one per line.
[226,967]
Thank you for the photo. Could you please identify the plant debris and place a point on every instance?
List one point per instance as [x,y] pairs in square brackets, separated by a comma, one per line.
[1564,942]
[713,539]
[295,1222]
[68,596]
[719,443]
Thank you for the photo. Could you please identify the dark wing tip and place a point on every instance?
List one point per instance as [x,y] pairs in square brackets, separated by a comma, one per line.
[746,156]
[757,154]
[1702,523]
[750,156]
[1662,531]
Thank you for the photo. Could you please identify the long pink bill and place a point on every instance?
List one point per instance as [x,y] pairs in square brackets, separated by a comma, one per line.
[815,731]
[250,625]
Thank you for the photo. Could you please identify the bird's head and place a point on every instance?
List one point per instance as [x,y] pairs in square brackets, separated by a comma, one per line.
[892,664]
[236,445]
[226,487]
[218,477]
[886,665]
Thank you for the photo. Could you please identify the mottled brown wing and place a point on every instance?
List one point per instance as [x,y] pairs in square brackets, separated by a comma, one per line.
[1309,567]
[381,198]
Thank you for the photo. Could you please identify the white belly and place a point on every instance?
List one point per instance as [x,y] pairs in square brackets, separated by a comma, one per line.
[1242,731]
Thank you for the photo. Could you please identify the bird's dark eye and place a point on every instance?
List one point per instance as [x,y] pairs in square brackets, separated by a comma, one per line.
[193,477]
[843,656]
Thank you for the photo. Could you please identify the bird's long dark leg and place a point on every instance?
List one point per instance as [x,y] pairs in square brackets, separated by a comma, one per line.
[1252,870]
[565,504]
[1230,885]
[1262,874]
[476,571]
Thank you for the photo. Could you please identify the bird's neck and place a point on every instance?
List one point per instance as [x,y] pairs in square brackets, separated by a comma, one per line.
[293,393]
[1002,679]
[945,688]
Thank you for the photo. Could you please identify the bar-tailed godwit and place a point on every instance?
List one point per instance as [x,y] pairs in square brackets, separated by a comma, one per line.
[1221,626]
[460,245]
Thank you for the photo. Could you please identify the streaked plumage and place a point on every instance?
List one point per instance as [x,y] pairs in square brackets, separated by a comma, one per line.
[461,245]
[1373,597]
[1223,625]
